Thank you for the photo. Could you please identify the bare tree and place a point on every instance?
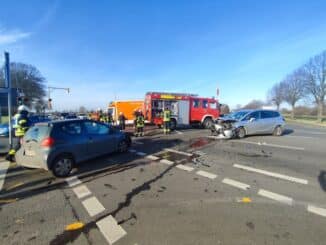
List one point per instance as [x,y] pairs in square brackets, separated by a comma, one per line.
[254,104]
[28,79]
[315,81]
[275,95]
[225,109]
[82,109]
[293,88]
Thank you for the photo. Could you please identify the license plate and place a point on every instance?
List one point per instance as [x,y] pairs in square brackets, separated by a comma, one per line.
[29,153]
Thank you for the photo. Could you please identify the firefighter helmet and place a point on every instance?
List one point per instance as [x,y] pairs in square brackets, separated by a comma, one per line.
[22,108]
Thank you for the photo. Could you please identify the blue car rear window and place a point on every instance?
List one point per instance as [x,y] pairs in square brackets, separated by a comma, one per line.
[37,133]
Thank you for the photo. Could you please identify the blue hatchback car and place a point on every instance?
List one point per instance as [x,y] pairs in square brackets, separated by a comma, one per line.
[59,145]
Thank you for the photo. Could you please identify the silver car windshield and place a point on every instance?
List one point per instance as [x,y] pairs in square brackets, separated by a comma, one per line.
[238,115]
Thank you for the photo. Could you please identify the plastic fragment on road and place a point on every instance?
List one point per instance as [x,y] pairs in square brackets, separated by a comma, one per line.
[74,226]
[245,200]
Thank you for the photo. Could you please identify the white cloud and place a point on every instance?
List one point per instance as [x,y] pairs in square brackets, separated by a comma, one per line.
[10,37]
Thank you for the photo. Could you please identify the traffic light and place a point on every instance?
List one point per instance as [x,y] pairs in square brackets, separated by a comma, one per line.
[20,101]
[50,104]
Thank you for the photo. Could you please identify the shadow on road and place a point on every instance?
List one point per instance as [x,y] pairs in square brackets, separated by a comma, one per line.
[288,131]
[322,180]
[36,181]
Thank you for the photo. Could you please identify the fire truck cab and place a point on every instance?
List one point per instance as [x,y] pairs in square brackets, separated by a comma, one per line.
[185,109]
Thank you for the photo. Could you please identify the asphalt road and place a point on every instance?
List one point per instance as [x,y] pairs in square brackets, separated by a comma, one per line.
[185,188]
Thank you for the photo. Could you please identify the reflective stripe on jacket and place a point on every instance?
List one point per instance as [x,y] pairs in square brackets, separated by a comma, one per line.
[166,115]
[140,121]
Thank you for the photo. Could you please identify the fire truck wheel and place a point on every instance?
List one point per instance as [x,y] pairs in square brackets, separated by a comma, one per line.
[173,124]
[208,123]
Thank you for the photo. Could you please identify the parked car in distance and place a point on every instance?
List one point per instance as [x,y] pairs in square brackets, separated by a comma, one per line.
[82,116]
[4,127]
[253,122]
[59,145]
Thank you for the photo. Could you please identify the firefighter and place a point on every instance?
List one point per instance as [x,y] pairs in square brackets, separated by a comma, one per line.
[166,120]
[122,121]
[101,116]
[110,118]
[21,125]
[140,123]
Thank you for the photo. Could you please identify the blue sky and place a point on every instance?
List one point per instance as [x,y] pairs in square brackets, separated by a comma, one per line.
[104,50]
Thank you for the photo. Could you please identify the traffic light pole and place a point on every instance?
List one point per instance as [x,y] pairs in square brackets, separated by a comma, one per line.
[49,95]
[8,86]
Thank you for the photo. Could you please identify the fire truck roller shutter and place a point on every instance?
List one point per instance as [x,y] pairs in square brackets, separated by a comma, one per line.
[183,115]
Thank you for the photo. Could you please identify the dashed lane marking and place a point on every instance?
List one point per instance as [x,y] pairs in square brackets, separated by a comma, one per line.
[316,210]
[271,174]
[73,181]
[206,174]
[132,150]
[184,167]
[82,191]
[93,206]
[271,145]
[236,184]
[275,196]
[110,229]
[178,132]
[165,161]
[3,171]
[179,152]
[139,153]
[298,136]
[151,157]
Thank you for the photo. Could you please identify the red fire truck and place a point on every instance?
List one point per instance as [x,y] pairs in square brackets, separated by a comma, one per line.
[185,109]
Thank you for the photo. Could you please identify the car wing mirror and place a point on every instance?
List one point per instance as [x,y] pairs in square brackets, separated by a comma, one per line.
[252,119]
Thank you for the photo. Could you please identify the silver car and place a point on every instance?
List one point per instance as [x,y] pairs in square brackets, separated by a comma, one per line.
[253,122]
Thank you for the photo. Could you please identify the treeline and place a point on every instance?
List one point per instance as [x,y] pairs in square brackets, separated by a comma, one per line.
[306,82]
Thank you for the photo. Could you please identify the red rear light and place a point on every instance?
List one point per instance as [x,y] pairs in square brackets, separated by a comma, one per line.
[47,142]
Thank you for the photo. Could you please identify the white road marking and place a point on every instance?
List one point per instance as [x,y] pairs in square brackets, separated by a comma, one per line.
[316,210]
[298,136]
[184,167]
[151,157]
[271,145]
[132,150]
[82,191]
[178,132]
[206,174]
[179,152]
[165,161]
[275,196]
[3,171]
[139,153]
[93,206]
[235,183]
[110,229]
[271,174]
[72,181]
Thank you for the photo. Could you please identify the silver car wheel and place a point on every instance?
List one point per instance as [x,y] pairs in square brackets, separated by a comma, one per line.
[278,131]
[62,167]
